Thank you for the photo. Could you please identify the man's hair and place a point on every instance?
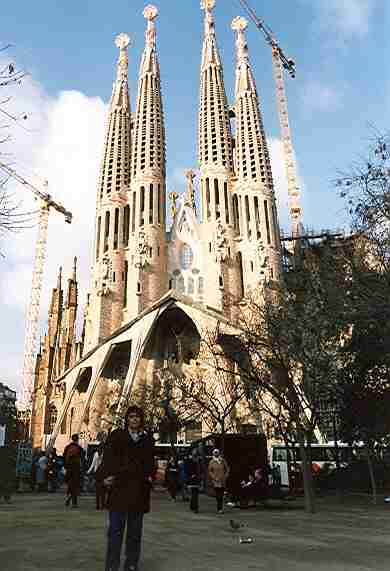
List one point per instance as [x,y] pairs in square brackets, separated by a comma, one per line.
[134,409]
[75,437]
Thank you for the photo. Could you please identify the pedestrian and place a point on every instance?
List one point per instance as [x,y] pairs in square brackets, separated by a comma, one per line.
[172,477]
[218,474]
[73,454]
[128,468]
[96,472]
[52,471]
[193,480]
[41,472]
[183,479]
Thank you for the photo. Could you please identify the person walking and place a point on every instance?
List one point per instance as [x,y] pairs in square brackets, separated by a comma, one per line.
[73,454]
[41,472]
[172,477]
[183,479]
[193,480]
[96,471]
[127,468]
[218,472]
[52,472]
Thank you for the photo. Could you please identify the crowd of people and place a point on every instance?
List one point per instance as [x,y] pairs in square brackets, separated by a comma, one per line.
[122,472]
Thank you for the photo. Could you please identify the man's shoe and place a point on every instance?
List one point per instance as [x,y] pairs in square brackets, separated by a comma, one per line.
[220,512]
[67,501]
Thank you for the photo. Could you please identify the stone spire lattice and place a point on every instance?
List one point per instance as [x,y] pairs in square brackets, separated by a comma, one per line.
[252,158]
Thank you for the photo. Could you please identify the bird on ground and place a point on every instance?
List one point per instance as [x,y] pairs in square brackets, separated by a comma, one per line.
[236,525]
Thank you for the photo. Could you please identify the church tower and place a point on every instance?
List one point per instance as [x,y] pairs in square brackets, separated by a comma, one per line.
[106,301]
[146,263]
[254,202]
[215,153]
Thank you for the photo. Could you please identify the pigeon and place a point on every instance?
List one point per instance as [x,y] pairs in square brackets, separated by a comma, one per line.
[236,525]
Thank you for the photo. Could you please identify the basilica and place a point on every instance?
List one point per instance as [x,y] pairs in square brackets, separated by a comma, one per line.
[152,285]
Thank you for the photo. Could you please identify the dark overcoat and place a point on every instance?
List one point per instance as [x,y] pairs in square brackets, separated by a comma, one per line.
[132,465]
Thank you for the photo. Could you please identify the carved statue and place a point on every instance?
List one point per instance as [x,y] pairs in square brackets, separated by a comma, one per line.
[142,250]
[220,242]
[262,258]
[190,196]
[173,196]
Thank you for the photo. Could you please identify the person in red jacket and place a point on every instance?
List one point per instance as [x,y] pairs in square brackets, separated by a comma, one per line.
[73,454]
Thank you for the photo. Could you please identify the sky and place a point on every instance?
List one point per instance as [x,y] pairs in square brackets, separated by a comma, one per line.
[340,96]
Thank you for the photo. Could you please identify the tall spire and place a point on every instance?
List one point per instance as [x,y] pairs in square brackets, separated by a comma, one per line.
[149,134]
[252,158]
[215,138]
[115,169]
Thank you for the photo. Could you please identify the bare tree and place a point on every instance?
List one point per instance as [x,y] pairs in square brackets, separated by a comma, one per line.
[12,218]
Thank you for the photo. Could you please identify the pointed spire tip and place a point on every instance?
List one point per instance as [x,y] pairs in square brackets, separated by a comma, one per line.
[207,5]
[122,41]
[239,24]
[150,12]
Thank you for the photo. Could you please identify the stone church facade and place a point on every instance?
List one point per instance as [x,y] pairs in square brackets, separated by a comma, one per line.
[151,285]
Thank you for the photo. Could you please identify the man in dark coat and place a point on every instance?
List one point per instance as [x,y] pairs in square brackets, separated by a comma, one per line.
[128,466]
[73,455]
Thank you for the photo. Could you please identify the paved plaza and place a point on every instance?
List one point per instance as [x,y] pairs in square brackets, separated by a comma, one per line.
[38,533]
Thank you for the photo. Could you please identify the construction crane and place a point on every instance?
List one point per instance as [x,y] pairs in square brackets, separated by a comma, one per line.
[32,321]
[280,62]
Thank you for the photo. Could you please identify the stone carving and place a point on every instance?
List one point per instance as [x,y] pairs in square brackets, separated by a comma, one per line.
[262,258]
[105,267]
[173,196]
[142,250]
[190,195]
[220,242]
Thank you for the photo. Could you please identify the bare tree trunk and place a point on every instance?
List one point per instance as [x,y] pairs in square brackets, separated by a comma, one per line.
[372,475]
[307,480]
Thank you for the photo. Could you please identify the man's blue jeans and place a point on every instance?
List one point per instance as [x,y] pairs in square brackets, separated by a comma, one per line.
[117,524]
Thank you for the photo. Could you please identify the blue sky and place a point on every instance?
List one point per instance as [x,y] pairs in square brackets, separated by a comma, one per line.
[341,91]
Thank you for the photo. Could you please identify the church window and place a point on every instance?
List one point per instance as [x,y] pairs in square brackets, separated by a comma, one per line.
[113,277]
[142,206]
[133,213]
[190,285]
[257,212]
[267,222]
[200,285]
[159,204]
[210,247]
[225,192]
[99,223]
[208,198]
[251,266]
[186,256]
[180,285]
[236,213]
[170,285]
[220,279]
[106,230]
[151,204]
[116,228]
[150,252]
[126,225]
[241,272]
[216,195]
[138,288]
[158,250]
[125,284]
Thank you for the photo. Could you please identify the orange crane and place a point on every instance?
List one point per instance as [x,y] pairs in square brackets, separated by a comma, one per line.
[32,321]
[280,62]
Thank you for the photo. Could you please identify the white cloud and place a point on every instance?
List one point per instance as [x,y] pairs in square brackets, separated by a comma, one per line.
[317,96]
[346,18]
[63,145]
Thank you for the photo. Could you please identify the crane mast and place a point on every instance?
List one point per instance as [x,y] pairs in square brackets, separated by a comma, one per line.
[279,63]
[32,320]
